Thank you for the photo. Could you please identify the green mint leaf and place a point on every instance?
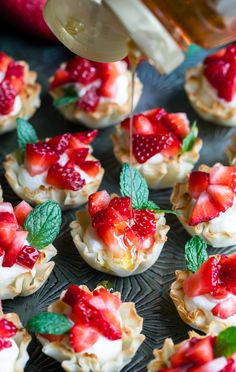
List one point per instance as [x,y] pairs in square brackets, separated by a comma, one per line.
[49,323]
[43,224]
[189,140]
[25,133]
[168,211]
[226,343]
[150,205]
[64,101]
[131,182]
[195,253]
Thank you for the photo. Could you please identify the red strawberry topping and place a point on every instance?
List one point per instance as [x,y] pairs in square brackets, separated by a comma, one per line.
[144,223]
[21,212]
[7,97]
[15,75]
[4,61]
[228,273]
[28,257]
[178,123]
[60,143]
[81,70]
[90,100]
[64,178]
[86,137]
[141,125]
[8,224]
[14,248]
[98,201]
[225,309]
[61,77]
[91,167]
[222,196]
[197,183]
[110,72]
[122,205]
[39,157]
[82,337]
[7,328]
[78,156]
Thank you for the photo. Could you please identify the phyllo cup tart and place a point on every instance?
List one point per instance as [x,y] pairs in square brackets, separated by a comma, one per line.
[210,87]
[114,239]
[19,92]
[204,293]
[26,250]
[61,168]
[197,354]
[89,330]
[95,94]
[165,148]
[206,204]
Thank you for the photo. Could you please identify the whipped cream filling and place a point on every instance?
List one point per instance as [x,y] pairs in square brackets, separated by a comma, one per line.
[8,357]
[105,349]
[9,274]
[209,95]
[92,240]
[206,303]
[225,222]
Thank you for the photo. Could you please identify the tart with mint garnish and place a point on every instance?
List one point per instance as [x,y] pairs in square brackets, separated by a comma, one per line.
[26,237]
[165,147]
[113,239]
[19,92]
[207,204]
[95,94]
[205,293]
[60,168]
[197,354]
[211,89]
[89,330]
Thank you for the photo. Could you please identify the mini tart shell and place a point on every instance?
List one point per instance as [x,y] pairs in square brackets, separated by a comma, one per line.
[163,355]
[231,151]
[181,202]
[106,114]
[212,109]
[66,198]
[30,100]
[102,262]
[26,284]
[196,318]
[70,361]
[160,175]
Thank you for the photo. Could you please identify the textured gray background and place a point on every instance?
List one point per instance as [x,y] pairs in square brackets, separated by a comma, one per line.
[150,290]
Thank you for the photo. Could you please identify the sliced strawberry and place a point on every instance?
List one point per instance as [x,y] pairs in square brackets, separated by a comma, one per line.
[15,75]
[222,175]
[81,70]
[110,72]
[178,123]
[64,178]
[98,201]
[21,212]
[111,301]
[155,115]
[61,77]
[39,157]
[230,367]
[91,167]
[74,294]
[86,137]
[201,352]
[225,309]
[228,273]
[28,257]
[204,280]
[144,223]
[179,358]
[7,97]
[122,205]
[78,156]
[90,100]
[14,248]
[197,183]
[220,292]
[4,343]
[82,337]
[221,196]
[7,328]
[8,224]
[204,210]
[214,365]
[4,61]
[60,143]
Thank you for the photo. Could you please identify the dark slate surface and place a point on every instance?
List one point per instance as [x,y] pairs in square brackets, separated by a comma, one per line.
[150,290]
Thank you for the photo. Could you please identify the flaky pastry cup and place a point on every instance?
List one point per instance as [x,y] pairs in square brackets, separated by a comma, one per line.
[159,175]
[208,107]
[30,100]
[231,151]
[22,340]
[70,361]
[1,196]
[66,198]
[26,284]
[163,355]
[196,318]
[106,114]
[181,202]
[101,261]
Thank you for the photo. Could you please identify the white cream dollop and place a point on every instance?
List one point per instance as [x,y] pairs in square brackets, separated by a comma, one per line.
[225,222]
[105,349]
[9,274]
[209,95]
[8,357]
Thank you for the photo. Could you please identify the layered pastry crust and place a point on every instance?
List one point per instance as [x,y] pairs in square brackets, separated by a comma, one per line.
[99,260]
[84,362]
[231,151]
[66,198]
[30,100]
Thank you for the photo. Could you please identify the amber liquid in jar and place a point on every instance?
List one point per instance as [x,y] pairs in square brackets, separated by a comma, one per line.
[208,23]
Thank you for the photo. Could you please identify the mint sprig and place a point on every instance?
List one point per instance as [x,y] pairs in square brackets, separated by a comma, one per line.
[195,253]
[70,96]
[25,134]
[49,323]
[43,224]
[226,343]
[189,140]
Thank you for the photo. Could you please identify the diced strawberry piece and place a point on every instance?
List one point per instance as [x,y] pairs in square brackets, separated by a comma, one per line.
[8,224]
[155,115]
[214,365]
[15,75]
[39,157]
[5,344]
[4,61]
[172,145]
[228,273]
[225,309]
[53,338]
[98,201]
[82,337]
[220,292]
[230,367]
[197,183]
[204,210]
[14,248]
[81,70]
[7,97]
[111,301]
[86,137]
[204,280]
[21,212]
[178,123]
[1,251]
[64,178]
[222,175]
[201,352]
[61,77]
[107,216]
[110,72]
[122,205]
[221,196]
[144,223]
[28,257]
[179,358]
[74,294]
[91,167]
[141,125]
[7,328]
[60,143]
[78,156]
[89,101]
[113,235]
